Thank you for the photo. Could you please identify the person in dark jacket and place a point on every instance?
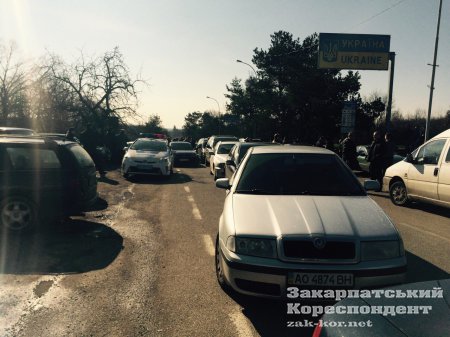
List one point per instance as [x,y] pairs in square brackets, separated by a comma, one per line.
[349,152]
[377,158]
[390,150]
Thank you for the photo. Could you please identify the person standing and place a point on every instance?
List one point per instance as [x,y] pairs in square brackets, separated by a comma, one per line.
[390,150]
[349,152]
[377,158]
[70,135]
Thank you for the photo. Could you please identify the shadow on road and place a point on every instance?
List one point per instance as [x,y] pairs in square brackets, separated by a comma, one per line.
[270,318]
[100,205]
[176,178]
[429,208]
[76,246]
[420,270]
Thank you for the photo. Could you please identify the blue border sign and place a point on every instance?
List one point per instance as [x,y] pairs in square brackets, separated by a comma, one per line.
[354,51]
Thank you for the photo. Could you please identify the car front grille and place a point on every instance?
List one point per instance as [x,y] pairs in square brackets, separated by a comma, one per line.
[305,249]
[147,161]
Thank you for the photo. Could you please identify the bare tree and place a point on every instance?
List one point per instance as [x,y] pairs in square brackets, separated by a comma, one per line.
[13,85]
[103,85]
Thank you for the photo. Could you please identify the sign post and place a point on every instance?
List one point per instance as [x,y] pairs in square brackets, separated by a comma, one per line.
[358,52]
[348,117]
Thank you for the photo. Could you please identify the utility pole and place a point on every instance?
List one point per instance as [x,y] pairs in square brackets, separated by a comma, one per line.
[434,65]
[391,87]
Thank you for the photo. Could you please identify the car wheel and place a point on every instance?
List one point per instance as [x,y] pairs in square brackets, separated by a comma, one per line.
[17,214]
[399,194]
[219,269]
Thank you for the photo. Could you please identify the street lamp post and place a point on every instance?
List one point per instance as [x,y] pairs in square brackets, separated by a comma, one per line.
[218,107]
[239,61]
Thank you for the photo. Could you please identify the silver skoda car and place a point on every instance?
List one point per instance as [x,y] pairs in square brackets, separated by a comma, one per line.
[297,216]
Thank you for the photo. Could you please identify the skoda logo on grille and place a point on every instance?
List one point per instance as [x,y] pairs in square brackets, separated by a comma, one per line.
[319,243]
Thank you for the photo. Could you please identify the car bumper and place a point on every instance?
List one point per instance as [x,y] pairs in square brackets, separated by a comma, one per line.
[161,168]
[386,182]
[271,281]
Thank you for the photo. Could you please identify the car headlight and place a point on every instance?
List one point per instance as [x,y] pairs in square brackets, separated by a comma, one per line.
[379,250]
[253,246]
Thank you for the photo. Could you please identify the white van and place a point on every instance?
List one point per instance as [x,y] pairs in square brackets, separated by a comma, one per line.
[424,175]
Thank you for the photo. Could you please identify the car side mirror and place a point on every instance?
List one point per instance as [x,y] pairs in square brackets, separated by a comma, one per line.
[409,158]
[229,162]
[371,185]
[223,183]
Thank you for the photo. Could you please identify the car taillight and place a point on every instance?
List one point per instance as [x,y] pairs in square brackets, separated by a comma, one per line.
[317,330]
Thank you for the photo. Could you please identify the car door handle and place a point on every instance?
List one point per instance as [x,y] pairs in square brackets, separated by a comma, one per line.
[436,171]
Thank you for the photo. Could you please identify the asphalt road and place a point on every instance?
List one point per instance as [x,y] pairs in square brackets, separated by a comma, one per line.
[142,264]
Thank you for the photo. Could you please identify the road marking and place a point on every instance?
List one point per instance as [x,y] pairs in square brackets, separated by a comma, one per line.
[425,232]
[195,210]
[241,323]
[187,189]
[209,246]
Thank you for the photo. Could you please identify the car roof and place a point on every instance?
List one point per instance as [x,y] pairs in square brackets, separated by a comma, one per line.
[13,128]
[227,142]
[33,140]
[180,142]
[290,149]
[445,134]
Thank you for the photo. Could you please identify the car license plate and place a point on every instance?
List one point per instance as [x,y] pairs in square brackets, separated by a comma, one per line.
[144,166]
[320,279]
[184,159]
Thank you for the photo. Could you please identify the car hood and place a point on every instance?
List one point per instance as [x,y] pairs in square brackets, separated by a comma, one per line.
[269,215]
[146,154]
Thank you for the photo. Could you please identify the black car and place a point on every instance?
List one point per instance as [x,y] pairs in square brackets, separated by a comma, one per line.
[43,179]
[183,153]
[391,312]
[236,155]
[200,148]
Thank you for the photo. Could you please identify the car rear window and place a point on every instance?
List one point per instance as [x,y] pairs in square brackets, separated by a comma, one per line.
[28,158]
[224,148]
[181,146]
[297,174]
[149,145]
[82,157]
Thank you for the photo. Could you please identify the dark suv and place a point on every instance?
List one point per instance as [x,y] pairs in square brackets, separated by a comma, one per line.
[43,179]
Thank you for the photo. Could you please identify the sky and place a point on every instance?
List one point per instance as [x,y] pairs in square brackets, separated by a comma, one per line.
[187,49]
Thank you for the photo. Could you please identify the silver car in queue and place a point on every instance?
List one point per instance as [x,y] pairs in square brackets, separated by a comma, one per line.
[297,216]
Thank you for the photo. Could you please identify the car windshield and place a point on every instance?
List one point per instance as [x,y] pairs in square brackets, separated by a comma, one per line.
[224,148]
[181,146]
[223,139]
[149,145]
[297,174]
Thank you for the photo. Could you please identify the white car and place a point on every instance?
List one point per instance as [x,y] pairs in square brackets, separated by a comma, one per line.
[298,216]
[424,175]
[148,156]
[218,159]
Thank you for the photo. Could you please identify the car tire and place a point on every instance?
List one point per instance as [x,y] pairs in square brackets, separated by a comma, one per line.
[219,269]
[398,193]
[18,214]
